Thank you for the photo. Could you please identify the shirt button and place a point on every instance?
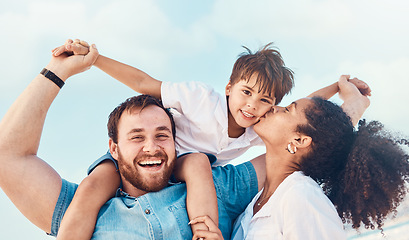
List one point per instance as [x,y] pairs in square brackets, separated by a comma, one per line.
[147,211]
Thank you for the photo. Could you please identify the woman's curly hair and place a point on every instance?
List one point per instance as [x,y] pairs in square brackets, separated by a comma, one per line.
[362,172]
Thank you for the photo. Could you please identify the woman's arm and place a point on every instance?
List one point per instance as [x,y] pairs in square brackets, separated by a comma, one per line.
[355,103]
[329,91]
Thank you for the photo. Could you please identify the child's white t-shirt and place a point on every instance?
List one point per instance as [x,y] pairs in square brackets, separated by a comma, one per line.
[200,115]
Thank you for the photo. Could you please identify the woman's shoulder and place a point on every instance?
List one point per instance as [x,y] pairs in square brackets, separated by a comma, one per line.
[303,189]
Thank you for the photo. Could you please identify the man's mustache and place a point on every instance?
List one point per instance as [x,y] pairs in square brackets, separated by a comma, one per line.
[159,154]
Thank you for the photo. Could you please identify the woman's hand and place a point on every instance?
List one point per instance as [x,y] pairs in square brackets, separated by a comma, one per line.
[362,86]
[355,101]
[213,233]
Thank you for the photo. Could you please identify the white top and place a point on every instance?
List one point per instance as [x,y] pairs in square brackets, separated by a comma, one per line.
[200,115]
[298,209]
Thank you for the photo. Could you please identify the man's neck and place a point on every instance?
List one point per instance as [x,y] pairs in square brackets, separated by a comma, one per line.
[131,190]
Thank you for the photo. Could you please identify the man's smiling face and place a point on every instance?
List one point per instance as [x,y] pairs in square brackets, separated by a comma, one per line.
[145,150]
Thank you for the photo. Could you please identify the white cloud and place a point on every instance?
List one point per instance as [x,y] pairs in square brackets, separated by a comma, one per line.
[267,19]
[135,32]
[389,81]
[355,26]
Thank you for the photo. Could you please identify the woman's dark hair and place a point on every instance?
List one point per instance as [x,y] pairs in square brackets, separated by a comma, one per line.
[362,172]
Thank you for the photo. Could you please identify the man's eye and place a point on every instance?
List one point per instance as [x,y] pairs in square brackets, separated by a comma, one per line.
[137,138]
[162,136]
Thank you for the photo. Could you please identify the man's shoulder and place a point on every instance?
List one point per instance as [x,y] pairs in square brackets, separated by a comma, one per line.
[232,177]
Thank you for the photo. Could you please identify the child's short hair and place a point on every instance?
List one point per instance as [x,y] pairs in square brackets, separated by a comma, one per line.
[272,75]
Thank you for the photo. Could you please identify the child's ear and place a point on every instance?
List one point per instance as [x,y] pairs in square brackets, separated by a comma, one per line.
[113,148]
[228,88]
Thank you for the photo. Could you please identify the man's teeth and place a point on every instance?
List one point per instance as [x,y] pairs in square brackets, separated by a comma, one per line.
[247,114]
[150,162]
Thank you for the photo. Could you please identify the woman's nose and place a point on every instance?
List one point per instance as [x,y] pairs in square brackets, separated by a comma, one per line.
[275,109]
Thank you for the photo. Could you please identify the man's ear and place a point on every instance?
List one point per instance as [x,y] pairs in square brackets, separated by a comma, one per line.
[113,148]
[302,141]
[228,88]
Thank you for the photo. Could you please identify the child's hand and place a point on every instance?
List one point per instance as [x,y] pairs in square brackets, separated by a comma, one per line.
[76,47]
[361,85]
[213,232]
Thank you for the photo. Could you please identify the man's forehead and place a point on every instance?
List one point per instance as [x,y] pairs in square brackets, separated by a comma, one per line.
[157,129]
[150,116]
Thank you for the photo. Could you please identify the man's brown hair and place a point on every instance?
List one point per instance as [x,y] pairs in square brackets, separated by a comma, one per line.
[140,101]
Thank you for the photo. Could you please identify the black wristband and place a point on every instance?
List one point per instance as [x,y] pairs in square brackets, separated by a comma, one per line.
[54,78]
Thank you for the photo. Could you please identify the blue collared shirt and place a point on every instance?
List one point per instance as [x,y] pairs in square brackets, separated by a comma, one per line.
[162,215]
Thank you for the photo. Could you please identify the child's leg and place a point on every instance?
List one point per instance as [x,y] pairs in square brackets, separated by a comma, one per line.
[201,198]
[96,189]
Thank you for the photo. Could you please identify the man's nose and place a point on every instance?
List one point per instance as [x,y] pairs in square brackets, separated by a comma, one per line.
[150,146]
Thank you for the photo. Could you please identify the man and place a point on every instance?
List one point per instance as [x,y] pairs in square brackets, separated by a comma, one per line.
[136,212]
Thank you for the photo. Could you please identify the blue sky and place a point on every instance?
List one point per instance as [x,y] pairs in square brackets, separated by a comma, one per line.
[183,40]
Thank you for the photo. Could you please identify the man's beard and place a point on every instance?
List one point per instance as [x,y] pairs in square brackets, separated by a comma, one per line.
[147,183]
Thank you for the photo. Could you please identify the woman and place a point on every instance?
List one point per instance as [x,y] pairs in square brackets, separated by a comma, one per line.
[322,173]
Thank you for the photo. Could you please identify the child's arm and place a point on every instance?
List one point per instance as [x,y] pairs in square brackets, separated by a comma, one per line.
[331,90]
[96,189]
[128,75]
[201,198]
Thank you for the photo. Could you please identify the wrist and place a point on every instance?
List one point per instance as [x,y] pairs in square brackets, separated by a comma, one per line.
[360,102]
[99,61]
[52,77]
[59,71]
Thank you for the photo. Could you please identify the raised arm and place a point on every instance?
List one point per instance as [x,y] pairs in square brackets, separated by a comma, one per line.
[132,77]
[329,91]
[355,103]
[30,183]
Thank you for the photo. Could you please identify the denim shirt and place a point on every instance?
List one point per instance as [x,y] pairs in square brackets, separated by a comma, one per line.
[162,215]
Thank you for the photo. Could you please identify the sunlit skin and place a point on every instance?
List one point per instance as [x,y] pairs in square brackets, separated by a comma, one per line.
[145,150]
[277,127]
[246,105]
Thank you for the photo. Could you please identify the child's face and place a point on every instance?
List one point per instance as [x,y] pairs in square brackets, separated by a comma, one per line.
[246,103]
